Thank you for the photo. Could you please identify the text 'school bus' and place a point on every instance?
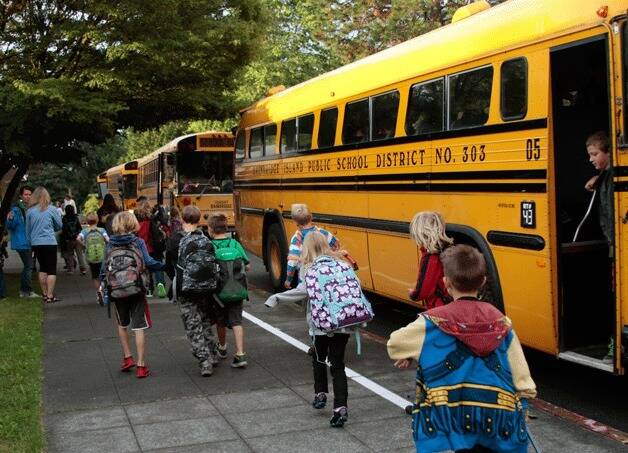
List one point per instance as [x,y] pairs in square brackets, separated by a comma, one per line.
[194,169]
[122,184]
[484,120]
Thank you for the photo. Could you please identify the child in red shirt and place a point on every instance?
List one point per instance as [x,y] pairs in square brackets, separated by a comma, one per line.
[428,230]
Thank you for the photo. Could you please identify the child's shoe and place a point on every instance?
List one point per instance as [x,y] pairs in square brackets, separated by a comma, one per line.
[142,372]
[127,363]
[206,368]
[320,400]
[149,294]
[221,351]
[239,361]
[161,290]
[340,417]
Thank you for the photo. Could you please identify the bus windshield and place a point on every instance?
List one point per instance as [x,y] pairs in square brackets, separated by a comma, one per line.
[102,189]
[130,186]
[205,172]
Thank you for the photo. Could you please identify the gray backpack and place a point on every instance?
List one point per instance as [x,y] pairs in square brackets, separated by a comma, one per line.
[196,264]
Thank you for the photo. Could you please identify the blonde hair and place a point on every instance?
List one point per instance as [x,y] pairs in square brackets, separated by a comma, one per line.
[40,197]
[124,223]
[314,245]
[92,218]
[428,231]
[300,214]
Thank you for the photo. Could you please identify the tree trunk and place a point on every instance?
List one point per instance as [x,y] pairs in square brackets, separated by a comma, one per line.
[22,167]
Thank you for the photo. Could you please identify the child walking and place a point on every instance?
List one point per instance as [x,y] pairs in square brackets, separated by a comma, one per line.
[303,218]
[125,275]
[231,257]
[195,281]
[428,231]
[94,241]
[469,356]
[327,345]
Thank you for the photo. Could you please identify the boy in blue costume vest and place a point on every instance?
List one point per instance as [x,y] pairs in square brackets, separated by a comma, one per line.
[473,381]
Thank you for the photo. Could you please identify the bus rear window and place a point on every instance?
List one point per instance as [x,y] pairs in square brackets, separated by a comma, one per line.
[305,126]
[327,128]
[384,114]
[470,97]
[288,136]
[514,89]
[425,108]
[356,123]
[256,145]
[270,134]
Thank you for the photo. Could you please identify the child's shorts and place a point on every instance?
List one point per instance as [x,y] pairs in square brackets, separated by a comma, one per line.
[132,311]
[231,314]
[94,268]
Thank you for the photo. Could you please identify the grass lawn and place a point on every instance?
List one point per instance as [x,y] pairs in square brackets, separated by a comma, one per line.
[20,372]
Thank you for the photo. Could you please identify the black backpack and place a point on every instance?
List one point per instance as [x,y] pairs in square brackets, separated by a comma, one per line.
[158,237]
[197,269]
[70,228]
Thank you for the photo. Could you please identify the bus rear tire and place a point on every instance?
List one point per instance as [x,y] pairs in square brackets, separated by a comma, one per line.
[277,254]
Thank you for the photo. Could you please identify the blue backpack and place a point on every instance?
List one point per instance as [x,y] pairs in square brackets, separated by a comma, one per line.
[335,295]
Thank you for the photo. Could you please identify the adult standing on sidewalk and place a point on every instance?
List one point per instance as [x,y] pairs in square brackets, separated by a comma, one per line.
[16,224]
[69,201]
[42,220]
[106,212]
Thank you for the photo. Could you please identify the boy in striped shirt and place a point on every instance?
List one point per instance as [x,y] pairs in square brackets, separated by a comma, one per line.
[303,218]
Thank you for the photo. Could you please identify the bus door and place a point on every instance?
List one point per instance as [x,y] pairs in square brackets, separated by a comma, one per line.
[584,271]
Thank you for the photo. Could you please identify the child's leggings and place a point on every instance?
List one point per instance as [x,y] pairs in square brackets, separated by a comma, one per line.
[334,348]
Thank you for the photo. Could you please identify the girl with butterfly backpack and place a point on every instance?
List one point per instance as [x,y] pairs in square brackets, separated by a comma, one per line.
[336,305]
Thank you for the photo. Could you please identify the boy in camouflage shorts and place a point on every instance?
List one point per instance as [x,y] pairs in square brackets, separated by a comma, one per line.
[197,312]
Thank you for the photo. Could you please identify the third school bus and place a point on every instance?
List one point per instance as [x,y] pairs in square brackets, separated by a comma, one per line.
[485,121]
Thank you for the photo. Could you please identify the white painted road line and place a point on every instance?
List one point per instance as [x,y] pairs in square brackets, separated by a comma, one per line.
[351,374]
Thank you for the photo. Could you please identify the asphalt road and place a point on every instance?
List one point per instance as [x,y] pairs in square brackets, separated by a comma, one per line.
[588,392]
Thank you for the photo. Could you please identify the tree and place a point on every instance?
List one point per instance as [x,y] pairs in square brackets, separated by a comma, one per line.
[77,71]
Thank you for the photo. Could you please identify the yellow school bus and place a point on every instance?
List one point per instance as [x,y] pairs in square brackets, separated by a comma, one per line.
[195,169]
[122,184]
[484,120]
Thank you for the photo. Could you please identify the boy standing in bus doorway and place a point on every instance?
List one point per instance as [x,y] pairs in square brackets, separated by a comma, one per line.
[598,149]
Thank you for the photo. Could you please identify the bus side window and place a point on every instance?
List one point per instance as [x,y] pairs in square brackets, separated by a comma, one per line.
[256,146]
[239,145]
[305,126]
[270,134]
[356,123]
[425,108]
[470,97]
[327,128]
[289,135]
[514,89]
[384,115]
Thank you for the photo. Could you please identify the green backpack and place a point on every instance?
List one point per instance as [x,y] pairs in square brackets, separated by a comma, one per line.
[95,246]
[233,286]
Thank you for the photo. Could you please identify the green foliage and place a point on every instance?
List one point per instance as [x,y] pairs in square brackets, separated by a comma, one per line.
[91,204]
[20,373]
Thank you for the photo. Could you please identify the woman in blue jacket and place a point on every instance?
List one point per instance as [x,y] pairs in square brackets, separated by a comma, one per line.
[42,221]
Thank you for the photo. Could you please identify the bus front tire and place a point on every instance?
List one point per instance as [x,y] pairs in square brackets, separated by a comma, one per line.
[277,255]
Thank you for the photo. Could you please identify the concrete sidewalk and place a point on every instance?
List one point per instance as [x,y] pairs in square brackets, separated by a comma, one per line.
[89,406]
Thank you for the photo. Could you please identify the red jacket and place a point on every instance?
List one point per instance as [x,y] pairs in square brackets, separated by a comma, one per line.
[429,286]
[144,233]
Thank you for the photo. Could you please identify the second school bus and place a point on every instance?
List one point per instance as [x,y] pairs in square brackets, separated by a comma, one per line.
[483,120]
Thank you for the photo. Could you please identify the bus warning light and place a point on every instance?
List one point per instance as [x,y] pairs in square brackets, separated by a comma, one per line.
[602,11]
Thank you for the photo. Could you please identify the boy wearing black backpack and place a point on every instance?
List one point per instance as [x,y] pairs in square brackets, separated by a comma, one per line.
[125,276]
[233,290]
[196,280]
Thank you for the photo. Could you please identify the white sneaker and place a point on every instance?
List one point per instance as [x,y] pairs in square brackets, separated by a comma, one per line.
[31,295]
[149,294]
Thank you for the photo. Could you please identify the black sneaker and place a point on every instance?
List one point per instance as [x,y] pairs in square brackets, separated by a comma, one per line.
[221,352]
[239,361]
[320,400]
[339,418]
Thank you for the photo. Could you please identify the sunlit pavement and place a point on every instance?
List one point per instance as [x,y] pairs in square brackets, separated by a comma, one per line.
[90,406]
